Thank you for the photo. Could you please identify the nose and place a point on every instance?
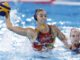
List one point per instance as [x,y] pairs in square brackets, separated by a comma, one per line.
[44,18]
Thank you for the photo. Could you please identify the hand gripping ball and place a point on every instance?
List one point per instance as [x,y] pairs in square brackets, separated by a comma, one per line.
[4,9]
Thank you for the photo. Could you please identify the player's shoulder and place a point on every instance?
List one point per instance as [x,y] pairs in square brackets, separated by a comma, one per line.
[53,26]
[29,29]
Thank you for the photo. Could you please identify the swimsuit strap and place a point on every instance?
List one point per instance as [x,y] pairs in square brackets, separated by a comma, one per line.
[51,33]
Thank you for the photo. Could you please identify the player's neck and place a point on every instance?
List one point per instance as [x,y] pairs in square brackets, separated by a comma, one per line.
[42,27]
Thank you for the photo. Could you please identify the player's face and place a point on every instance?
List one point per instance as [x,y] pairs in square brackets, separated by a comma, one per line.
[75,36]
[41,16]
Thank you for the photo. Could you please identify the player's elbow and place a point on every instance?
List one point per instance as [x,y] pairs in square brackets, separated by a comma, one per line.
[10,27]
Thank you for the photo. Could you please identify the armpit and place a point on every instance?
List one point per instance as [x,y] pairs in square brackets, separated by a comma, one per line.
[31,34]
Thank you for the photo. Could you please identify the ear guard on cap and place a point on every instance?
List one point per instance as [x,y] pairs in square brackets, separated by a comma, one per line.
[35,15]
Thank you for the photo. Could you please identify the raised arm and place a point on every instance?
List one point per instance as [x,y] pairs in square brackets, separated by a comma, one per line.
[16,29]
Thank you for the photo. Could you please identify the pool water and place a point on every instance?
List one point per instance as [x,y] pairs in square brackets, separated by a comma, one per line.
[16,47]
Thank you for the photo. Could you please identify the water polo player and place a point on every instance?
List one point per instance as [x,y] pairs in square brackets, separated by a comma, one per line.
[75,40]
[42,37]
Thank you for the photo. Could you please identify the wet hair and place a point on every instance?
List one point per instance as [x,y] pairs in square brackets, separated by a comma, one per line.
[36,11]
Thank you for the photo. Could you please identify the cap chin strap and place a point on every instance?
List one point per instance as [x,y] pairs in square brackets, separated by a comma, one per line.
[42,26]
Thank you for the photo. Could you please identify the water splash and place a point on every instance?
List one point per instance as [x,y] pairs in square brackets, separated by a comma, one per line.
[16,47]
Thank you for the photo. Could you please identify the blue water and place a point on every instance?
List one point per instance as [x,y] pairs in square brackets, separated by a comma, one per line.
[16,47]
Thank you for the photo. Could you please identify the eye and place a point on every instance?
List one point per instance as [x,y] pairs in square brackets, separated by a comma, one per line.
[45,15]
[73,35]
[77,35]
[41,15]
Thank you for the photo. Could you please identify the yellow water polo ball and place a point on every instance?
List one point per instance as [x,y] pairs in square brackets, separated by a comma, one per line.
[4,8]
